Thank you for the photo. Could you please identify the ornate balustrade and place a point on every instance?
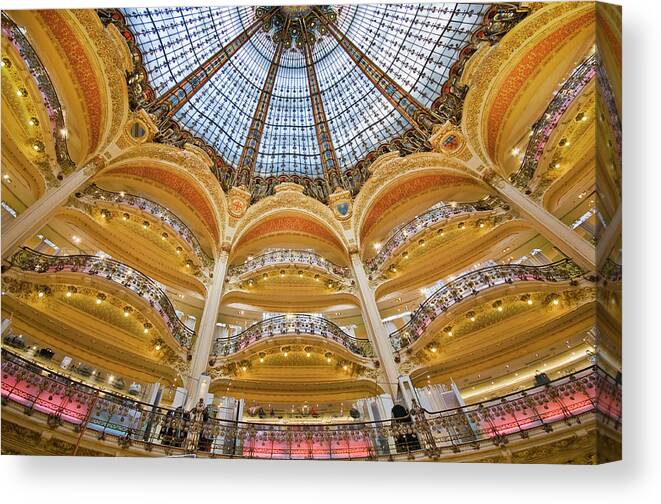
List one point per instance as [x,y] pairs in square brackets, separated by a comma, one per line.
[546,124]
[291,325]
[137,425]
[285,257]
[30,260]
[469,285]
[612,116]
[48,94]
[92,193]
[419,224]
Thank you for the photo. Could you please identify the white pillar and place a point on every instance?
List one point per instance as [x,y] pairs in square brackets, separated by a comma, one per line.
[6,326]
[206,329]
[375,331]
[608,237]
[553,229]
[37,215]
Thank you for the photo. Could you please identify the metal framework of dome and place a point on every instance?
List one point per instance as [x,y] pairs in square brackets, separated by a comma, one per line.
[305,94]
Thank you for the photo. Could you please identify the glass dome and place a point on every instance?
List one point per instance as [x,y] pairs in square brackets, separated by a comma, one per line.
[233,67]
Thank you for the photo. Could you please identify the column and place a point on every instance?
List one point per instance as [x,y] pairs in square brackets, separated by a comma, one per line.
[553,229]
[206,329]
[376,332]
[37,215]
[607,238]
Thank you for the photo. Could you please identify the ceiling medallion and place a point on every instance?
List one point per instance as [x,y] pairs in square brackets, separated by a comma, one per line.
[295,25]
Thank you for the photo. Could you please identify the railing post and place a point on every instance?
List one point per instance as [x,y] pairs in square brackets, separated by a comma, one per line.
[83,426]
[422,427]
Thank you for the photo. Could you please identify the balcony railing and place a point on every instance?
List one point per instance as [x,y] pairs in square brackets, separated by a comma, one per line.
[286,257]
[48,94]
[417,225]
[137,425]
[612,116]
[546,124]
[291,325]
[469,285]
[30,260]
[93,193]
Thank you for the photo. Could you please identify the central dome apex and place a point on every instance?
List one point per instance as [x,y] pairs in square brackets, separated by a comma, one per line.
[305,94]
[295,25]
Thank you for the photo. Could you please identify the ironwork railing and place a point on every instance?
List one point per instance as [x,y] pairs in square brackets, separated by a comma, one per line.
[286,257]
[31,260]
[613,116]
[138,425]
[470,284]
[417,225]
[93,193]
[48,93]
[288,325]
[546,124]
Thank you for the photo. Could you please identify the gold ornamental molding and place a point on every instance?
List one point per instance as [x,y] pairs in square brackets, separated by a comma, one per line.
[290,201]
[520,53]
[399,171]
[189,164]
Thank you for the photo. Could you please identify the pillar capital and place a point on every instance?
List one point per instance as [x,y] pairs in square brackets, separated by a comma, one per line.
[94,165]
[492,177]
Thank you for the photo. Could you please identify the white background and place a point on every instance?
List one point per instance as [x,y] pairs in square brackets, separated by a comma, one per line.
[636,479]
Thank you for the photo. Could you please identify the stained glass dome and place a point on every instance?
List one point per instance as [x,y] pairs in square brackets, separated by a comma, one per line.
[287,90]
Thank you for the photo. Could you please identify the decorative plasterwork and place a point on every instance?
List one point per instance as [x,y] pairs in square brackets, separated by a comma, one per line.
[289,223]
[239,201]
[45,316]
[74,54]
[111,54]
[449,140]
[30,163]
[191,164]
[290,200]
[551,25]
[341,203]
[392,170]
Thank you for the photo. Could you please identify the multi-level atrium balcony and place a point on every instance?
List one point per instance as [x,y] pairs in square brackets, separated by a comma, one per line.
[286,258]
[434,218]
[288,327]
[94,196]
[471,284]
[108,270]
[588,395]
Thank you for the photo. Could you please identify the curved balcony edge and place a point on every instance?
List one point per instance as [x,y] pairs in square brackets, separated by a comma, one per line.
[428,220]
[48,93]
[291,325]
[582,75]
[140,426]
[93,193]
[472,283]
[114,271]
[287,257]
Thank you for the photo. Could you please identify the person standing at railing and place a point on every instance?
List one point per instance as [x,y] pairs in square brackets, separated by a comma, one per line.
[197,418]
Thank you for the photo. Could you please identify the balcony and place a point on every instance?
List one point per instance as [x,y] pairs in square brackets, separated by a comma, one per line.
[48,94]
[287,257]
[471,284]
[544,127]
[93,194]
[113,271]
[142,428]
[288,326]
[421,223]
